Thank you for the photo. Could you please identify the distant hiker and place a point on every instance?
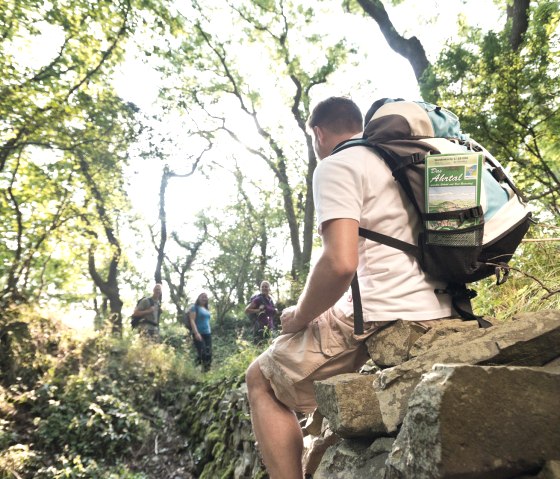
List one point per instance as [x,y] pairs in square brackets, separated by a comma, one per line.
[262,313]
[147,312]
[199,318]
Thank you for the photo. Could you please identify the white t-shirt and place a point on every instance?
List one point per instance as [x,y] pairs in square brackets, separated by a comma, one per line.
[355,183]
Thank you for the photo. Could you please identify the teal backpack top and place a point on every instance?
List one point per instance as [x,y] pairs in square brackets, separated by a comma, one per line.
[444,123]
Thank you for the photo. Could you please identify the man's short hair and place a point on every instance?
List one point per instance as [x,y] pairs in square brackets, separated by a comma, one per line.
[336,114]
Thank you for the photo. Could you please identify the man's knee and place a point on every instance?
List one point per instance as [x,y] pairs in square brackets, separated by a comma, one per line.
[253,375]
[255,380]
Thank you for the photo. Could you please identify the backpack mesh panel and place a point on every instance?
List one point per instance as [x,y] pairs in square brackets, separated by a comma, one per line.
[455,238]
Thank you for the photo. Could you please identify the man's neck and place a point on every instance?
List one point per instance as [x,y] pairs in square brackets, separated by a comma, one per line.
[336,140]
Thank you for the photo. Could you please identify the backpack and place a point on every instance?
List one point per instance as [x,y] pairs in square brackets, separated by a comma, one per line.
[482,237]
[135,320]
[253,316]
[186,320]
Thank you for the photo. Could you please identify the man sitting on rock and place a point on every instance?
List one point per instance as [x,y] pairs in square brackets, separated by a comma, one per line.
[351,188]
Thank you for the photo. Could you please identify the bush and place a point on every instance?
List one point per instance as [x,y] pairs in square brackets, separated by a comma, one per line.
[151,372]
[83,407]
[533,284]
[234,364]
[84,420]
[15,460]
[31,344]
[76,467]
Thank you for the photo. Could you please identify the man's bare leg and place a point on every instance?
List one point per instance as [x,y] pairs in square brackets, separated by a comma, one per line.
[276,428]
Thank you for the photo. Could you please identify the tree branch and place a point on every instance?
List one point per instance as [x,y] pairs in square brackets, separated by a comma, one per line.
[409,48]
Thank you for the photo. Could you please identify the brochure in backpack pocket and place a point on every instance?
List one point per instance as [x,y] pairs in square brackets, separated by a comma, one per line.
[453,182]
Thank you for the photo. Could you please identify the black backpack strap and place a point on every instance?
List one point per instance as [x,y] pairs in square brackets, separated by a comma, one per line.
[461,301]
[496,171]
[408,248]
[357,303]
[460,215]
[350,143]
[397,165]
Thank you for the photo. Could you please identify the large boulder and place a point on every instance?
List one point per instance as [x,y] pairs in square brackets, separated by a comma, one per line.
[474,422]
[533,341]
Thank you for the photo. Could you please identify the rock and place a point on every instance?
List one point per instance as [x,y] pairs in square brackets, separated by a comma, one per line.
[315,450]
[551,470]
[355,408]
[354,458]
[533,341]
[391,345]
[349,403]
[313,424]
[440,331]
[553,365]
[475,422]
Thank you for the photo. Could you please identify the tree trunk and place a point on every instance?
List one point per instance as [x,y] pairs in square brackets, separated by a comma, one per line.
[177,284]
[518,15]
[109,287]
[176,291]
[163,223]
[409,48]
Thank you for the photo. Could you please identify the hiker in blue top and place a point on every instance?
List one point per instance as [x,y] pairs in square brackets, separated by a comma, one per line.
[199,317]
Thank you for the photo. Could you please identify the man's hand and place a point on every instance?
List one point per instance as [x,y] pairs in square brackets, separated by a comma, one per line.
[290,323]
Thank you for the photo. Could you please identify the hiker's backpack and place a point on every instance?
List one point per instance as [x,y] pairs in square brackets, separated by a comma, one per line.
[135,320]
[186,318]
[253,316]
[483,237]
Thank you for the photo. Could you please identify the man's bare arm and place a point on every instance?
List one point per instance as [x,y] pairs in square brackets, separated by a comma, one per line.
[143,312]
[330,277]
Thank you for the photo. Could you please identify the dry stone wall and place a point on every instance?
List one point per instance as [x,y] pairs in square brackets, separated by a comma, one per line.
[455,402]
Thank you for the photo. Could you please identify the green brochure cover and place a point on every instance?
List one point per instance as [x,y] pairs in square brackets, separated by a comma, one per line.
[453,182]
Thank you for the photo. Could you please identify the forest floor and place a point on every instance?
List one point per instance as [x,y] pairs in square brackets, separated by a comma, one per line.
[165,455]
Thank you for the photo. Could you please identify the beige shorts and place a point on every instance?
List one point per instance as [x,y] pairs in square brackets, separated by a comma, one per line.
[325,348]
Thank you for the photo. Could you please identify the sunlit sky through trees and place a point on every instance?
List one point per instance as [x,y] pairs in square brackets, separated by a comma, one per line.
[389,75]
[380,72]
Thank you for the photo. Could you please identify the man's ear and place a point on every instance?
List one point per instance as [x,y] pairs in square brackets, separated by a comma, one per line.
[319,133]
